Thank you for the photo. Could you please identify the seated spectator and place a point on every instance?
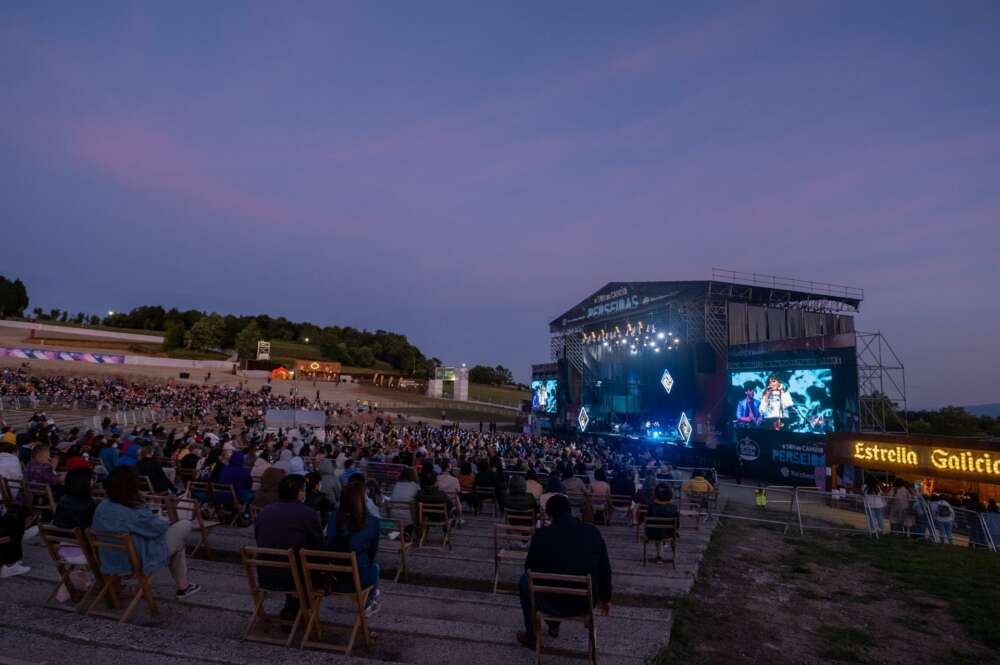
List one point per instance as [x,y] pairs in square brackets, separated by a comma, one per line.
[533,487]
[553,487]
[236,474]
[12,523]
[622,484]
[450,487]
[353,529]
[662,506]
[287,523]
[315,497]
[574,487]
[269,482]
[467,483]
[349,471]
[130,455]
[697,487]
[150,467]
[517,498]
[406,487]
[157,543]
[370,505]
[600,491]
[76,507]
[40,470]
[565,547]
[429,492]
[10,465]
[330,483]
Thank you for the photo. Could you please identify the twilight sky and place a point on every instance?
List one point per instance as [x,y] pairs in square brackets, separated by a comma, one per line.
[464,172]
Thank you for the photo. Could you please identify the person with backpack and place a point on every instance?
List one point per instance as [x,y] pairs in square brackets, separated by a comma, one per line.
[944,517]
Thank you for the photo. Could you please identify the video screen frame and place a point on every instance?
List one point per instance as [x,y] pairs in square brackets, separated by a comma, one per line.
[544,395]
[799,400]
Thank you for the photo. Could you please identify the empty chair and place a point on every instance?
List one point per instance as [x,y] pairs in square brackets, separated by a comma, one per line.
[256,558]
[74,560]
[317,567]
[510,546]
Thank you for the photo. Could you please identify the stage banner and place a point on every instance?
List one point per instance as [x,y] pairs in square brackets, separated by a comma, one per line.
[74,356]
[782,457]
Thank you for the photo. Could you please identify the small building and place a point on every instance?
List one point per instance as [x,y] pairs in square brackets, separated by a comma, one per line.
[320,370]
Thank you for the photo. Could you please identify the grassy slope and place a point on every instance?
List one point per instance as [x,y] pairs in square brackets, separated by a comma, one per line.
[70,324]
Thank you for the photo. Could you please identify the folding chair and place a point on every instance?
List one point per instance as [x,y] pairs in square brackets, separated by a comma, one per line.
[431,515]
[601,505]
[9,500]
[254,513]
[201,491]
[400,509]
[162,506]
[661,525]
[576,586]
[484,494]
[640,517]
[520,517]
[111,586]
[619,502]
[387,526]
[146,485]
[505,536]
[224,496]
[186,508]
[40,498]
[338,565]
[71,553]
[255,558]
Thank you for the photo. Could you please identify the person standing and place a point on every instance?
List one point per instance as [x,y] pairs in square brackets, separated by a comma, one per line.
[944,517]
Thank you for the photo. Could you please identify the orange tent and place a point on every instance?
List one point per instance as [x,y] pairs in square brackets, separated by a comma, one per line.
[281,374]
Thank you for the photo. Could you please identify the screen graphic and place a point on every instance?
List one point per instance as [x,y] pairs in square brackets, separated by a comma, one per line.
[543,396]
[799,400]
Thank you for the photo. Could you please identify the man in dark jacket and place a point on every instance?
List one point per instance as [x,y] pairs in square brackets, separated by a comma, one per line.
[566,547]
[287,523]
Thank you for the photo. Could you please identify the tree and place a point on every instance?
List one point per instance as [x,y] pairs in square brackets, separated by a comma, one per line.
[246,340]
[207,333]
[502,375]
[13,297]
[174,337]
[96,321]
[39,314]
[54,314]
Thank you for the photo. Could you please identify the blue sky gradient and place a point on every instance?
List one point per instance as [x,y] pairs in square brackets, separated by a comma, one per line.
[463,172]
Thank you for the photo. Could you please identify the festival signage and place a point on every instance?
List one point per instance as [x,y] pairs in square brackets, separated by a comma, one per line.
[781,457]
[904,456]
[76,356]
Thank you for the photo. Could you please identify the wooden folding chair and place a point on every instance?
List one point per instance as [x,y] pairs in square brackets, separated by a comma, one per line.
[186,508]
[71,553]
[254,513]
[401,544]
[40,499]
[433,515]
[601,505]
[201,491]
[111,585]
[224,496]
[640,517]
[505,538]
[146,485]
[255,558]
[563,585]
[339,565]
[619,503]
[186,476]
[484,494]
[9,499]
[161,506]
[401,510]
[669,525]
[520,517]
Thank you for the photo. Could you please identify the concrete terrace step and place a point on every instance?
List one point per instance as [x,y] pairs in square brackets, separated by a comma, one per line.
[415,628]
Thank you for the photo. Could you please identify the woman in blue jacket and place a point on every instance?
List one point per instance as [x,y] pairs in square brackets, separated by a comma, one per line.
[353,529]
[156,543]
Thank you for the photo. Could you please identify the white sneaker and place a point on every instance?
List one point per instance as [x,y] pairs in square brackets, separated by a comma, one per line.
[13,570]
[30,533]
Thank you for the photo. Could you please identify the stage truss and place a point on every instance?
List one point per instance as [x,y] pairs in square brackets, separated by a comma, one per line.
[881,385]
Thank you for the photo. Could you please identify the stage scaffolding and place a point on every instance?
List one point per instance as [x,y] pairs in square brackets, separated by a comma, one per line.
[881,385]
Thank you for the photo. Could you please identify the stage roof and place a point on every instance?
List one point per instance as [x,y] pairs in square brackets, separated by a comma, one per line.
[615,300]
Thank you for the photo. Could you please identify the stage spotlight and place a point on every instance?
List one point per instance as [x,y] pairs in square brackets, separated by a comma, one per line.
[656,348]
[660,335]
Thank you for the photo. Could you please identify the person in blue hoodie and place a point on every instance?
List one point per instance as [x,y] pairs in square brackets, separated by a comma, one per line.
[109,456]
[131,455]
[236,474]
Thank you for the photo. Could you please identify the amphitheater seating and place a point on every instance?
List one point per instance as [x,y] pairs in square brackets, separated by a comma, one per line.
[72,555]
[333,564]
[510,546]
[563,585]
[111,590]
[255,558]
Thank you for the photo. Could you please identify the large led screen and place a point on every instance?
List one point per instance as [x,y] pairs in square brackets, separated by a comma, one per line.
[799,400]
[543,396]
